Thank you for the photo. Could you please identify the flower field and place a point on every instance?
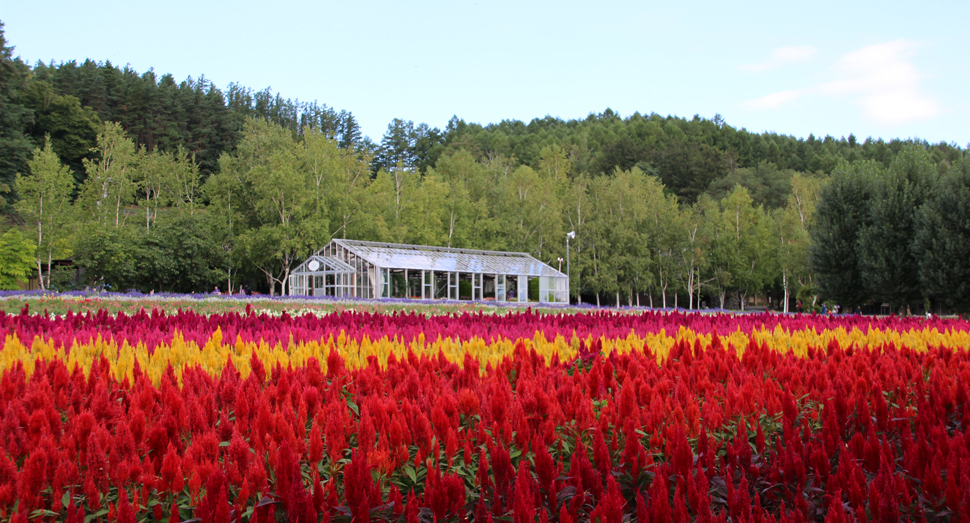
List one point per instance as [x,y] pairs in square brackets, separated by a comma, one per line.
[521,417]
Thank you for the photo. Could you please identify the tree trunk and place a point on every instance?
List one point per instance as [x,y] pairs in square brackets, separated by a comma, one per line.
[285,281]
[40,241]
[272,284]
[50,261]
[597,299]
[40,275]
[723,296]
[784,284]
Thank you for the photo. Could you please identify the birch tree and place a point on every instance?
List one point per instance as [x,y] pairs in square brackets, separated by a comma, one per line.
[45,205]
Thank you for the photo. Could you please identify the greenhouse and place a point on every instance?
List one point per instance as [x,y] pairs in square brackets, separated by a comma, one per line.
[364,269]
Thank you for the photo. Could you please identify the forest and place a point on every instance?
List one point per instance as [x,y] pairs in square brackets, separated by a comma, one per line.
[153,184]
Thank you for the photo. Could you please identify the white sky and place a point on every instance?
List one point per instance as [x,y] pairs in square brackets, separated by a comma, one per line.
[880,69]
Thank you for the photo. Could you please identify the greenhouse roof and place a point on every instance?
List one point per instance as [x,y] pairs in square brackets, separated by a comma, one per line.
[318,264]
[444,259]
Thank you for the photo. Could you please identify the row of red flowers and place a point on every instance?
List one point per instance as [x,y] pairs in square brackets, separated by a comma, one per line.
[842,434]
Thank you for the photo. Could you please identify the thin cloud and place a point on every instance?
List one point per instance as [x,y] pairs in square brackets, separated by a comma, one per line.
[780,57]
[774,100]
[884,82]
[881,79]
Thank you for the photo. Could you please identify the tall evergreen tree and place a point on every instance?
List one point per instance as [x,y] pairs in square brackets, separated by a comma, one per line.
[942,242]
[15,147]
[841,215]
[887,264]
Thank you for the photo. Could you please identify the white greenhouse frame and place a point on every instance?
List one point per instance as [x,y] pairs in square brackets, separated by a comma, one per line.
[389,270]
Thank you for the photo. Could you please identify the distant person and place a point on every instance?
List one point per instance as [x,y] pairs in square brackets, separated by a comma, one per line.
[215,290]
[825,309]
[799,307]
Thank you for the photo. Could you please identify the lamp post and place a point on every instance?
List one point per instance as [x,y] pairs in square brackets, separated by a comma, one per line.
[569,235]
[560,263]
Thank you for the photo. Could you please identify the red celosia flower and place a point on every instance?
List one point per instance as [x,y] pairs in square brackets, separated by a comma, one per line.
[359,488]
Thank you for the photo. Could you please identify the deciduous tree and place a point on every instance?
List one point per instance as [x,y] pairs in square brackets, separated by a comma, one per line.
[45,205]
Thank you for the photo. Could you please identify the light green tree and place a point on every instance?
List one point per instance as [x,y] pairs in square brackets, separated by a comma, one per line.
[694,261]
[465,214]
[151,177]
[666,224]
[229,201]
[45,205]
[530,212]
[739,245]
[600,274]
[110,183]
[390,197]
[338,180]
[167,180]
[425,215]
[277,206]
[620,233]
[16,259]
[183,183]
[576,212]
[791,225]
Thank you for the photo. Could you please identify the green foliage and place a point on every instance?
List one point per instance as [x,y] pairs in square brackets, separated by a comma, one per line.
[465,289]
[177,256]
[264,191]
[110,185]
[742,254]
[790,230]
[73,129]
[691,156]
[16,259]
[45,205]
[108,257]
[14,116]
[942,241]
[842,213]
[767,185]
[887,263]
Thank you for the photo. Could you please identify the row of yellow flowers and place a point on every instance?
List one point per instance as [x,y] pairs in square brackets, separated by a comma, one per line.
[214,354]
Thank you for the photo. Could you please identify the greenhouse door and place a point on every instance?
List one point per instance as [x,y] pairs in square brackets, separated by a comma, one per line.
[499,287]
[385,282]
[427,288]
[453,286]
[477,286]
